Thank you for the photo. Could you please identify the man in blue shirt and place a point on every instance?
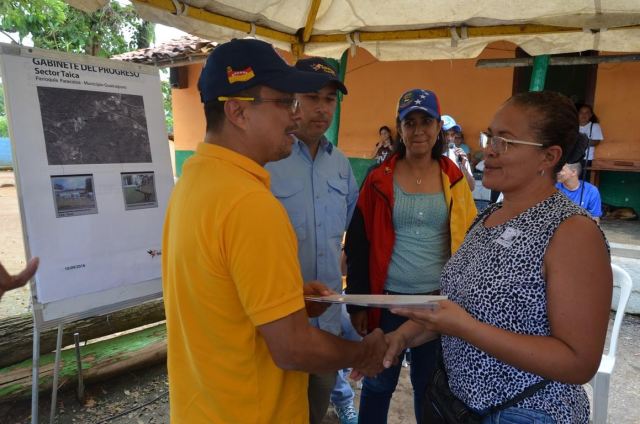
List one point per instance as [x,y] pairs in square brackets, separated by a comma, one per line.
[317,187]
[580,192]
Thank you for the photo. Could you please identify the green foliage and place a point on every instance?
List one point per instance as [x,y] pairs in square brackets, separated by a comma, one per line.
[4,128]
[2,109]
[53,24]
[166,100]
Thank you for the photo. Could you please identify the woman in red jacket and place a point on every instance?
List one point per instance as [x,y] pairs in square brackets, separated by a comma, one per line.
[412,214]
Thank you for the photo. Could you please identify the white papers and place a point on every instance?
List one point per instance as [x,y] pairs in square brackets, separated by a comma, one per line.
[382,300]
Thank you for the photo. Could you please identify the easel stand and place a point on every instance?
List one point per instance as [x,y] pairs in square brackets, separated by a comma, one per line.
[35,380]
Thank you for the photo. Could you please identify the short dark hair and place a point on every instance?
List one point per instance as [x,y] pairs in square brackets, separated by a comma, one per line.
[556,121]
[436,150]
[214,109]
[384,127]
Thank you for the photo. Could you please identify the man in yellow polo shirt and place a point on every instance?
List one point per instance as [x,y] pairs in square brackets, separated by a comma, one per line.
[239,341]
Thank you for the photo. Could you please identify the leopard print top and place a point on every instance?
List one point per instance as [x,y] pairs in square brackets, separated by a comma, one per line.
[496,276]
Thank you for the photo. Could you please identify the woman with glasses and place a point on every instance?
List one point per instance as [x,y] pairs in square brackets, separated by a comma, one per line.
[412,214]
[530,288]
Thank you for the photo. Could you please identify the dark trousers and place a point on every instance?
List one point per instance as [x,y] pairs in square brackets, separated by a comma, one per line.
[376,392]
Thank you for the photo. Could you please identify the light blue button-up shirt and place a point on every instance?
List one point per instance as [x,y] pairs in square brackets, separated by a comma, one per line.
[319,195]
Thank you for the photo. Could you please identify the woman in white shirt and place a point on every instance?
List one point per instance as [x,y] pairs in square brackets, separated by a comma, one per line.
[589,126]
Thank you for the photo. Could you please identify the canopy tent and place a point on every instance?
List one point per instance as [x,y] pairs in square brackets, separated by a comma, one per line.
[404,29]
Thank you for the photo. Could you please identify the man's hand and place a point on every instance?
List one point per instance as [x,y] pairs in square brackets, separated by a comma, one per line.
[371,359]
[461,155]
[10,282]
[316,288]
[359,322]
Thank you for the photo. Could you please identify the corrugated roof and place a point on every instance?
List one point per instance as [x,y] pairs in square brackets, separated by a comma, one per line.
[183,50]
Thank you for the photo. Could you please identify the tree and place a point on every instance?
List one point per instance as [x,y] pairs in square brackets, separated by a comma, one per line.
[166,100]
[53,24]
[4,130]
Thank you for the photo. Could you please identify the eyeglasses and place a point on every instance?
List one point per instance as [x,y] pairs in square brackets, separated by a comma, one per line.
[291,102]
[499,144]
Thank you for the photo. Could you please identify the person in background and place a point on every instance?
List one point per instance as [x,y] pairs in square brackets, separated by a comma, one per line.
[453,133]
[529,290]
[580,192]
[316,186]
[239,342]
[384,146]
[589,126]
[412,214]
[10,282]
[454,148]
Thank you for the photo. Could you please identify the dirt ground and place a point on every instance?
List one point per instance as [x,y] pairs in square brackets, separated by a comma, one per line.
[114,400]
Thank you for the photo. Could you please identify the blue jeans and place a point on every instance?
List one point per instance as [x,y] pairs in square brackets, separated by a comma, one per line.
[515,415]
[377,392]
[342,394]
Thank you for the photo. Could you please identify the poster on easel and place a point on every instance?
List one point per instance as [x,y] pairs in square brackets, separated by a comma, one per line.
[93,174]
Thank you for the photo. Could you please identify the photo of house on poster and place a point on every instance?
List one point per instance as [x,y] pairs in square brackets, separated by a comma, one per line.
[73,195]
[139,190]
[86,133]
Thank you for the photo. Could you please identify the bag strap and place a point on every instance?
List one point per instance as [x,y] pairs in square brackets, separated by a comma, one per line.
[526,393]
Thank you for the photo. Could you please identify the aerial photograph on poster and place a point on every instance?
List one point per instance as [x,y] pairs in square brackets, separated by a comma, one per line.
[139,190]
[73,195]
[93,127]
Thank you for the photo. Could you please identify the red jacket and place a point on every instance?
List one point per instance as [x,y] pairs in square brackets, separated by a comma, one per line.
[371,236]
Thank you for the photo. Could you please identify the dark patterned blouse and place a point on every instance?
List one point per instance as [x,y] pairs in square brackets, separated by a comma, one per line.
[496,276]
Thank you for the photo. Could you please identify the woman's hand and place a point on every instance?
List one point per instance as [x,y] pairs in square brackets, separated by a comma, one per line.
[396,345]
[447,318]
[359,322]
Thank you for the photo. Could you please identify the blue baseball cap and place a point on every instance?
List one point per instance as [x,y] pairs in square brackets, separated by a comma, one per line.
[448,123]
[244,63]
[419,99]
[321,66]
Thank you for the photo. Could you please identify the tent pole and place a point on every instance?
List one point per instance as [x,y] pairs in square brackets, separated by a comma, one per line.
[539,74]
[332,132]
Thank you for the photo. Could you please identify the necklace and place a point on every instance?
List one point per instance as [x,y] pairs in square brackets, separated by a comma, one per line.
[418,180]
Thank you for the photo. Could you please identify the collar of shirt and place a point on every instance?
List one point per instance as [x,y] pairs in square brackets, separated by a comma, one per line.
[241,161]
[299,146]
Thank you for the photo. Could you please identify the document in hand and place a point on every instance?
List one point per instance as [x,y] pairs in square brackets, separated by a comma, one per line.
[381,300]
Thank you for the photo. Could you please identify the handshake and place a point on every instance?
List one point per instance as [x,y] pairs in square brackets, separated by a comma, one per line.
[370,356]
[373,351]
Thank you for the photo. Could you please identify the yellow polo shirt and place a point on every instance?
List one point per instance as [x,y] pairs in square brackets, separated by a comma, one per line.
[229,264]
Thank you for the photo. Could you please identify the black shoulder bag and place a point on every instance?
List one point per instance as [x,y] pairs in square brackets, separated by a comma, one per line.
[441,406]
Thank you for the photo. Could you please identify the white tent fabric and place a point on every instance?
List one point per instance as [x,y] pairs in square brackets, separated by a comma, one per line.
[88,5]
[606,25]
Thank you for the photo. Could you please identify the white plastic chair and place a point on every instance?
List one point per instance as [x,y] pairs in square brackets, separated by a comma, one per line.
[600,382]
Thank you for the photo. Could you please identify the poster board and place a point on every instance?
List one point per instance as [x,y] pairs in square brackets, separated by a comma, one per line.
[93,175]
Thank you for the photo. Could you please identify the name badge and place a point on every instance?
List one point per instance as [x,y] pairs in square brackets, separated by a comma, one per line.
[507,238]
